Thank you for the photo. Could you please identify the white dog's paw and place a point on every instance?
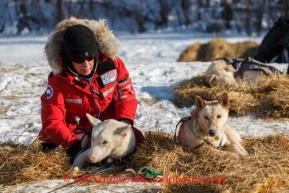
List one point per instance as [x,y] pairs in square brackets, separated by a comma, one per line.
[80,160]
[76,169]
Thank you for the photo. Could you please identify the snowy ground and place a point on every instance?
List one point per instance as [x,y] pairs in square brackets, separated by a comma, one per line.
[150,60]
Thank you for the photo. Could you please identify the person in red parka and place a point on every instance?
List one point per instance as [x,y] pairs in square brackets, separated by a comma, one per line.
[87,77]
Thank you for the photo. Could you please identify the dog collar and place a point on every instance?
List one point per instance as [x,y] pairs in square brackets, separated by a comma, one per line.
[218,147]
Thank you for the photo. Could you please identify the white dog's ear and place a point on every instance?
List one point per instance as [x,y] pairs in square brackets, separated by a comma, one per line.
[230,68]
[93,121]
[123,130]
[200,103]
[224,100]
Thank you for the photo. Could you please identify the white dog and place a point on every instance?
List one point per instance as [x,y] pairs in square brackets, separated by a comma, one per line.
[109,139]
[220,73]
[208,125]
[225,72]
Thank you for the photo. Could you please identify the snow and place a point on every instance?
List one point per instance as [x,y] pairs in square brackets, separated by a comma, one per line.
[151,61]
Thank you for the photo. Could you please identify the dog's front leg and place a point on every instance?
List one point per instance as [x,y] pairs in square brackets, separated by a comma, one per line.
[80,160]
[233,148]
[197,151]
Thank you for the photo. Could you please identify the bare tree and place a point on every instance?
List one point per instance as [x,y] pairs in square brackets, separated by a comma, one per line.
[259,11]
[185,5]
[59,13]
[248,17]
[164,13]
[91,5]
[227,15]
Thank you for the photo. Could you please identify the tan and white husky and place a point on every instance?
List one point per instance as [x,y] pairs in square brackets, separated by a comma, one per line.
[221,72]
[208,125]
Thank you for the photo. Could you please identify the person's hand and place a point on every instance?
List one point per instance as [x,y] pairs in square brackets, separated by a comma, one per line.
[80,159]
[84,138]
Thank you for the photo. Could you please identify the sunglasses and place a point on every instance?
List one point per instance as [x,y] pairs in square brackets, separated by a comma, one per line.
[80,61]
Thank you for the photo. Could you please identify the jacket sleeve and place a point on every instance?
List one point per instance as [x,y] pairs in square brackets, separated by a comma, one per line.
[124,97]
[53,111]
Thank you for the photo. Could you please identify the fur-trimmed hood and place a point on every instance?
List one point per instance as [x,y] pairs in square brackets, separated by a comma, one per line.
[108,43]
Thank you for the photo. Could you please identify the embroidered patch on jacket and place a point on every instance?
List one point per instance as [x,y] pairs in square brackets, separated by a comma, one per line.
[109,77]
[49,92]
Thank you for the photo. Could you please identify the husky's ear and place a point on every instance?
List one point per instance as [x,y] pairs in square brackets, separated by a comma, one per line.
[212,79]
[230,68]
[122,130]
[200,103]
[224,100]
[194,114]
[93,121]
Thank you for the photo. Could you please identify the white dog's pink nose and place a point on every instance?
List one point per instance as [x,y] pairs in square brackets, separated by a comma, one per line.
[89,158]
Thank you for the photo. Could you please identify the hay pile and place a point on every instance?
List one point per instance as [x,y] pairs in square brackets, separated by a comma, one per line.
[22,164]
[264,170]
[269,98]
[218,47]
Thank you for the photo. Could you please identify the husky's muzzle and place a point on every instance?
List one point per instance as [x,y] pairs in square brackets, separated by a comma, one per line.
[212,132]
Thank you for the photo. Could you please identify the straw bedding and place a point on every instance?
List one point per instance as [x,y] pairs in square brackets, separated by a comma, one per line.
[264,170]
[20,164]
[268,98]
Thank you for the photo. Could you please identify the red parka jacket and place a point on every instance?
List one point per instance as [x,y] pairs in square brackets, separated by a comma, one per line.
[67,99]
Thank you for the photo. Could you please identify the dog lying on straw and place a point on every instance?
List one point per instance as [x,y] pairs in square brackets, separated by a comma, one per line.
[227,72]
[110,139]
[208,125]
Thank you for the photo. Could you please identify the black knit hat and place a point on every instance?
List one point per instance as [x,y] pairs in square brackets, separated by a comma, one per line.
[79,42]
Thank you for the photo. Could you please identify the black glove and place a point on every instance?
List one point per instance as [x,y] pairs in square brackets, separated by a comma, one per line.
[77,155]
[73,150]
[127,121]
[47,147]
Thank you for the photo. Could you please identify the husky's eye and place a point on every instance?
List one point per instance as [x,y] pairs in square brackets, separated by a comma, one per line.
[219,116]
[206,117]
[104,142]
